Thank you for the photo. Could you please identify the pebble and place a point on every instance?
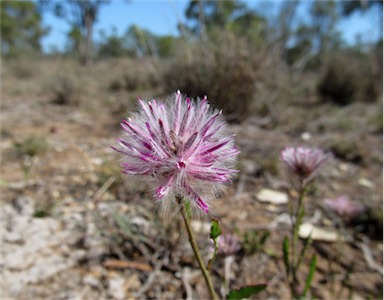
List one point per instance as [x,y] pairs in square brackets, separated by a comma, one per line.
[306,136]
[91,280]
[116,287]
[366,183]
[317,234]
[13,237]
[271,196]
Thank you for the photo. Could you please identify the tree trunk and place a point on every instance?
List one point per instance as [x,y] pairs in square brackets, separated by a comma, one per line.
[88,47]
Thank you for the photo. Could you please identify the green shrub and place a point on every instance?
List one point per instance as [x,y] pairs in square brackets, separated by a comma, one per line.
[224,73]
[22,68]
[348,148]
[347,79]
[66,90]
[254,241]
[139,79]
[31,146]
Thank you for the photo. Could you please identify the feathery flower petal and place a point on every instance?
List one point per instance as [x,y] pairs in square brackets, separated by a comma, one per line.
[180,148]
[303,161]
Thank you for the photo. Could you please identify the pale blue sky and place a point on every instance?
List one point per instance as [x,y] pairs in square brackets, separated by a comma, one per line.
[161,18]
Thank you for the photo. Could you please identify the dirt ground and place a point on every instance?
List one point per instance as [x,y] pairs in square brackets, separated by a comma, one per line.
[74,228]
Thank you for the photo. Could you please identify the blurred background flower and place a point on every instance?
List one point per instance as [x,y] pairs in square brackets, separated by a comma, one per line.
[345,207]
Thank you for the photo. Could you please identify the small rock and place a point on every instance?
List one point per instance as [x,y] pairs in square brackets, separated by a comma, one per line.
[366,183]
[18,260]
[91,280]
[317,234]
[117,288]
[271,196]
[365,281]
[24,205]
[249,166]
[133,282]
[201,227]
[306,136]
[97,161]
[13,237]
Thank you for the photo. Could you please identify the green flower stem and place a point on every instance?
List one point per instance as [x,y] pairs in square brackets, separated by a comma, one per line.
[193,243]
[299,214]
[210,262]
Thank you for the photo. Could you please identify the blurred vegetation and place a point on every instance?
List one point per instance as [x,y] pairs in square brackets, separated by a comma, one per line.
[254,241]
[31,146]
[245,60]
[21,27]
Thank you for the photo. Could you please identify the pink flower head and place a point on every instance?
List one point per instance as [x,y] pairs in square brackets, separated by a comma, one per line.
[228,244]
[344,207]
[180,148]
[304,161]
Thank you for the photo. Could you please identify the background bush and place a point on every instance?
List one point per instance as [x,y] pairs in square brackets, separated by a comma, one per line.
[347,78]
[226,73]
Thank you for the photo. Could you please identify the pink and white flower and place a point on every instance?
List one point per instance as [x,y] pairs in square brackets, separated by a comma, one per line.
[180,148]
[228,244]
[345,207]
[304,161]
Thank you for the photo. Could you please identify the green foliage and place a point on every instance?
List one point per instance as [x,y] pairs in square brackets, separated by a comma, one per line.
[112,45]
[21,27]
[324,17]
[81,16]
[142,42]
[41,214]
[246,291]
[312,269]
[308,242]
[31,146]
[136,42]
[188,208]
[349,7]
[254,241]
[74,37]
[207,17]
[215,229]
[165,45]
[286,255]
[214,234]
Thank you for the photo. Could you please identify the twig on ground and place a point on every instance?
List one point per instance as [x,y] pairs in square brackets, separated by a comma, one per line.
[150,280]
[187,286]
[100,192]
[369,257]
[228,275]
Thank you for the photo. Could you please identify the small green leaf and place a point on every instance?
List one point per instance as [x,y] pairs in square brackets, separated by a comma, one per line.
[246,291]
[215,229]
[264,238]
[303,251]
[188,208]
[211,261]
[312,269]
[286,254]
[122,224]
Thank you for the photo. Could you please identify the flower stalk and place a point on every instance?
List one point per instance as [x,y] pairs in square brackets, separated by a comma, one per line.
[295,261]
[303,162]
[195,249]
